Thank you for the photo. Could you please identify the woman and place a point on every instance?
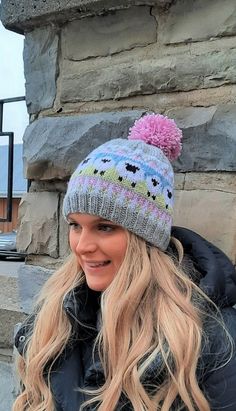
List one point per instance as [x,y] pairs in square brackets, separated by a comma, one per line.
[135,319]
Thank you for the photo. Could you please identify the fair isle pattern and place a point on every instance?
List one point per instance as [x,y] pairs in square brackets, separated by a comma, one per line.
[121,195]
[128,182]
[151,179]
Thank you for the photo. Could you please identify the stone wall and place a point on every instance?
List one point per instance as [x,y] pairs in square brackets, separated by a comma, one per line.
[92,68]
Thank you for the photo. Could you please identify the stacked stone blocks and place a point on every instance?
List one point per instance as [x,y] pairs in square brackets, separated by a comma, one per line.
[92,68]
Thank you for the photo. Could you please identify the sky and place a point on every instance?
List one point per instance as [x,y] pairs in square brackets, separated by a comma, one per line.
[12,83]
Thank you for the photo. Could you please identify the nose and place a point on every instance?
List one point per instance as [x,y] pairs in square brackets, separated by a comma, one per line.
[86,243]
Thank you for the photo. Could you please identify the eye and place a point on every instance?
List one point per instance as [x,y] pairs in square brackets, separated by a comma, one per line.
[73,225]
[106,228]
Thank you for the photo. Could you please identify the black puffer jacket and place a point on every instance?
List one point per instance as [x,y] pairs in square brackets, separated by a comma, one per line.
[75,368]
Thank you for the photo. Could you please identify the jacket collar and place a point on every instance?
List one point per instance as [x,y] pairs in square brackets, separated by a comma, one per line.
[217,275]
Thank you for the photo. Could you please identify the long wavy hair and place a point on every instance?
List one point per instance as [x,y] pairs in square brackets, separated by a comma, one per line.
[151,308]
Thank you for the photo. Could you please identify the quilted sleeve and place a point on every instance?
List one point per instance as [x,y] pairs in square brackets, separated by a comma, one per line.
[219,384]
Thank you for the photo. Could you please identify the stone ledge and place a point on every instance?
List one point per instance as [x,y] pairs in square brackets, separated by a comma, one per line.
[6,355]
[224,182]
[44,261]
[183,69]
[24,15]
[158,103]
[9,293]
[17,298]
[10,309]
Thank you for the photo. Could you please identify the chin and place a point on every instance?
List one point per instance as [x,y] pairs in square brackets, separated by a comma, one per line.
[96,286]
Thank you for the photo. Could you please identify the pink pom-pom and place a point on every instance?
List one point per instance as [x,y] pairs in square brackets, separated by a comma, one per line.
[159,131]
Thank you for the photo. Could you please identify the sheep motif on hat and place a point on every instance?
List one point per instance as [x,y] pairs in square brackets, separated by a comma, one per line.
[131,171]
[103,164]
[168,195]
[85,164]
[154,186]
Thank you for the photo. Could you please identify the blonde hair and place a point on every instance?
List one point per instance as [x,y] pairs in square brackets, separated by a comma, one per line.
[151,308]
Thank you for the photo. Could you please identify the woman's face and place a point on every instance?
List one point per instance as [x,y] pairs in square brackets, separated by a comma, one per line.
[99,246]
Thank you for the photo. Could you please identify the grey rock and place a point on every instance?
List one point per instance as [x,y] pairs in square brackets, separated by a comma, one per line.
[47,185]
[204,129]
[31,279]
[64,248]
[38,224]
[113,33]
[40,62]
[73,137]
[209,138]
[182,71]
[194,20]
[21,15]
[115,81]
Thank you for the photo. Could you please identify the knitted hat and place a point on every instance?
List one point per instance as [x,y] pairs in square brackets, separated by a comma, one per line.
[131,182]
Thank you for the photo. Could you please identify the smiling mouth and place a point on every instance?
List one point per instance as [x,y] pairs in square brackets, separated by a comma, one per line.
[97,265]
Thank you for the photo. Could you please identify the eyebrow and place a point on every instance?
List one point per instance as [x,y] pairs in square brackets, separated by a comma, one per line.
[99,219]
[103,220]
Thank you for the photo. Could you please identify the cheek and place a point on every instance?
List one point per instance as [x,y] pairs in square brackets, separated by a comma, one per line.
[120,249]
[72,240]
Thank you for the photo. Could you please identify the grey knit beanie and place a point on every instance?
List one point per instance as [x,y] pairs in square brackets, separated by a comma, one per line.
[131,182]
